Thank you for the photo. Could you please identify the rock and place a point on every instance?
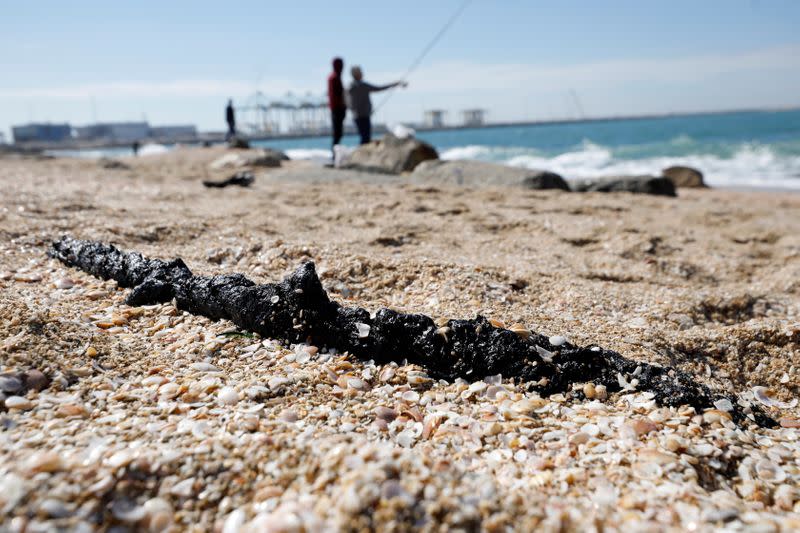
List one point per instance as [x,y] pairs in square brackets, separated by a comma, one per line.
[242,178]
[238,143]
[391,155]
[658,185]
[18,402]
[476,173]
[257,158]
[684,176]
[112,164]
[277,154]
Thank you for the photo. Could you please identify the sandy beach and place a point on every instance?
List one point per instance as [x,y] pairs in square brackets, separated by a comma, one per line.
[152,419]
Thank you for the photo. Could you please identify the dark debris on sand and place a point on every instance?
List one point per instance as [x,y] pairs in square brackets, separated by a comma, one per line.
[299,310]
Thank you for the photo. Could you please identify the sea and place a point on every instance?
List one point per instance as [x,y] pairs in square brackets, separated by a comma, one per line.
[740,149]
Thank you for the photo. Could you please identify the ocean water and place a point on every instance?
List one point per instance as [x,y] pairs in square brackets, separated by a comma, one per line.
[746,149]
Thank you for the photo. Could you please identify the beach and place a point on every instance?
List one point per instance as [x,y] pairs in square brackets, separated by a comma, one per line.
[152,418]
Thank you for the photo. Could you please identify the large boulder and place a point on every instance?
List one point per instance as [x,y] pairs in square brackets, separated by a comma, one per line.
[684,176]
[479,173]
[391,155]
[658,185]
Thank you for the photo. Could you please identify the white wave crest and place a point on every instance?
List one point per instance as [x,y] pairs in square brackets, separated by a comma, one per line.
[309,154]
[749,166]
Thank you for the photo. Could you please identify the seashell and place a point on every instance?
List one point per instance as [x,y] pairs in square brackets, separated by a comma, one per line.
[160,513]
[54,508]
[418,379]
[234,521]
[520,330]
[647,470]
[430,424]
[169,390]
[70,409]
[183,488]
[18,402]
[762,395]
[205,367]
[600,392]
[120,459]
[579,438]
[357,384]
[127,511]
[154,380]
[410,396]
[557,340]
[724,404]
[497,323]
[546,355]
[277,382]
[385,413]
[386,374]
[103,485]
[289,415]
[64,283]
[44,462]
[769,471]
[362,330]
[642,427]
[228,396]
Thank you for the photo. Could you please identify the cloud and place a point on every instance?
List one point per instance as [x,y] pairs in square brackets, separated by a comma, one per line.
[149,89]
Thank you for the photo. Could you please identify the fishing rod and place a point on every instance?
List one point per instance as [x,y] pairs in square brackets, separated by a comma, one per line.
[426,50]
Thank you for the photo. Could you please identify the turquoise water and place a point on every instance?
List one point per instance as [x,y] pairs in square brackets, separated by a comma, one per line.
[758,149]
[733,149]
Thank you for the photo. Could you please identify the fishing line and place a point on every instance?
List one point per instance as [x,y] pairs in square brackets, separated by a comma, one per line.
[425,50]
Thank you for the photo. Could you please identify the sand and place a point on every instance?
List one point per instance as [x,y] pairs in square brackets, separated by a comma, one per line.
[154,420]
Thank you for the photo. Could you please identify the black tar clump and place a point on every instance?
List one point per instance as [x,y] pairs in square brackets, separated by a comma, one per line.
[298,310]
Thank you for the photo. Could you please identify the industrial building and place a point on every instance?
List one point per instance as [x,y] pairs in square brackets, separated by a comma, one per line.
[114,131]
[173,132]
[474,117]
[434,118]
[41,133]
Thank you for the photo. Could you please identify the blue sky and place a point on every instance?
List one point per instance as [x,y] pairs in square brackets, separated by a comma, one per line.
[177,62]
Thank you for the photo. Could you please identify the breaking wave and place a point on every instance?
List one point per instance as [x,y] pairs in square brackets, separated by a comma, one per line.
[743,165]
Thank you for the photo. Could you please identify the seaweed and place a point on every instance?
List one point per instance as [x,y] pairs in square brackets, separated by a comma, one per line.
[299,310]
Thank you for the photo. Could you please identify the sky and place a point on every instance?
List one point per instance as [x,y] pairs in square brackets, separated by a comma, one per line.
[177,62]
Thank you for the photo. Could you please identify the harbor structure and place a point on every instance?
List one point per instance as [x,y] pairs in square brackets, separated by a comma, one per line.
[41,132]
[434,118]
[474,117]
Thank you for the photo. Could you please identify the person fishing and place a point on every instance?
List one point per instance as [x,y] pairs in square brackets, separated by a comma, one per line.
[230,118]
[336,101]
[360,103]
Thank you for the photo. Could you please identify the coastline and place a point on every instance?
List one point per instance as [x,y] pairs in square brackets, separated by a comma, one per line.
[154,405]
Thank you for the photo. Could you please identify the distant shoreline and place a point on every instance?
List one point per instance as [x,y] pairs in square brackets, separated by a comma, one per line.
[219,137]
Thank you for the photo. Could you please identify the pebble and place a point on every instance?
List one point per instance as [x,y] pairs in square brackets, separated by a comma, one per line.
[10,384]
[36,380]
[557,340]
[357,384]
[71,409]
[184,488]
[385,413]
[363,330]
[46,461]
[160,514]
[205,367]
[228,396]
[19,403]
[65,283]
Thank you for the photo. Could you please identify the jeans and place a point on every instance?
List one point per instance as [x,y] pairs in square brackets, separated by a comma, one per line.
[337,120]
[364,125]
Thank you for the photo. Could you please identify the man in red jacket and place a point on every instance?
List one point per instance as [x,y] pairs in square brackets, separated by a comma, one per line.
[336,100]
